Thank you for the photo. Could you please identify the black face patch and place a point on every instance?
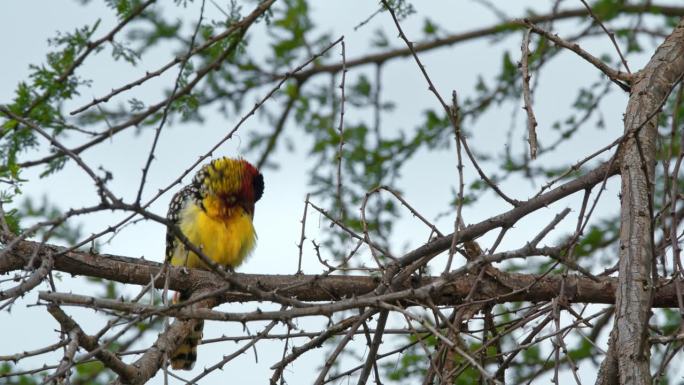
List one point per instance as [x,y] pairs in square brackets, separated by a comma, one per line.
[258,184]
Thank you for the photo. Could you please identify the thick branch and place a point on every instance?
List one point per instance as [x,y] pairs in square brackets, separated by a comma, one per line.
[637,166]
[526,287]
[32,281]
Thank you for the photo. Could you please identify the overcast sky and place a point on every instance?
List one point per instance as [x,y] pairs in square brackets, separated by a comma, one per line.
[25,26]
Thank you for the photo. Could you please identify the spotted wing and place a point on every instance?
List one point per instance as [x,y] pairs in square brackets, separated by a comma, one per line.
[178,203]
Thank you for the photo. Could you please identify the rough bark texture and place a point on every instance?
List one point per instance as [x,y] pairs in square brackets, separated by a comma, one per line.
[608,372]
[152,361]
[507,287]
[637,163]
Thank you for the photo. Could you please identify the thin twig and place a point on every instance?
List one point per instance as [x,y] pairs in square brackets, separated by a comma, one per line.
[373,349]
[610,34]
[527,97]
[165,111]
[340,131]
[302,237]
[620,78]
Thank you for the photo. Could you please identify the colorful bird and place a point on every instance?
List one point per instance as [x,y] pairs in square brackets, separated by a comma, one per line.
[215,214]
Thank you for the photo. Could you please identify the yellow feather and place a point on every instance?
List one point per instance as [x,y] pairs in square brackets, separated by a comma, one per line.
[225,235]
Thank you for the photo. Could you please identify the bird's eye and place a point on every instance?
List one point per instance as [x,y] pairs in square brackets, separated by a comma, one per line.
[258,184]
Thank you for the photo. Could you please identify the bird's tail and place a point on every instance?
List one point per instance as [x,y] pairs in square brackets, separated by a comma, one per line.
[186,354]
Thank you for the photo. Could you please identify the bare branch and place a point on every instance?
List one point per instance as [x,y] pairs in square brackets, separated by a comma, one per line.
[330,288]
[449,40]
[617,77]
[90,344]
[340,131]
[531,120]
[610,34]
[242,26]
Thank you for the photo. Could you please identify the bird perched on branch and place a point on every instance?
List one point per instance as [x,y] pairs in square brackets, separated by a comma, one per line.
[215,214]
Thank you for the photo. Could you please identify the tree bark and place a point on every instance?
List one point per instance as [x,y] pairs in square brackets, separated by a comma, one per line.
[508,287]
[634,297]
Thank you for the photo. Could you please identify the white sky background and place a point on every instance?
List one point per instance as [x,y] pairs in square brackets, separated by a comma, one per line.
[25,26]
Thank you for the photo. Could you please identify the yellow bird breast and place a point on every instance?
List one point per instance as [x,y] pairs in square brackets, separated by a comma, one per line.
[226,239]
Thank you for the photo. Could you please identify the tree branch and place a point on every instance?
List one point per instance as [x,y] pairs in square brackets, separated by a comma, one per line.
[89,343]
[635,294]
[508,287]
[475,34]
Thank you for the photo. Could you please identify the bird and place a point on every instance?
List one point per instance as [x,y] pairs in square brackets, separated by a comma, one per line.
[214,212]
